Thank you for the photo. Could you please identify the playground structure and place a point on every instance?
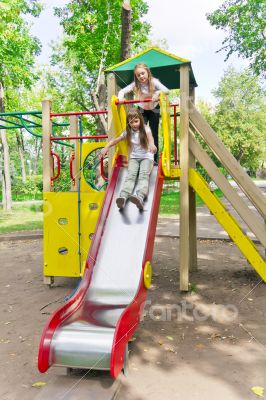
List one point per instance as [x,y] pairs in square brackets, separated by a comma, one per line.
[92,329]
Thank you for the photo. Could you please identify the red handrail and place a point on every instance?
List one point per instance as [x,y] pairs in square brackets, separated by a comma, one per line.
[53,178]
[52,138]
[102,170]
[68,114]
[72,158]
[133,101]
[175,136]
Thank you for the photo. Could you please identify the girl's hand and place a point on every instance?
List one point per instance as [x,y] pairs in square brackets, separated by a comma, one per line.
[155,97]
[103,152]
[153,149]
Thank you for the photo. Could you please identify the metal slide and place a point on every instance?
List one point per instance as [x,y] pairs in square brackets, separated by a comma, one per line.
[92,329]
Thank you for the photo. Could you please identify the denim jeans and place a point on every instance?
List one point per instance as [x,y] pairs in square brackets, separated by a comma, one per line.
[138,174]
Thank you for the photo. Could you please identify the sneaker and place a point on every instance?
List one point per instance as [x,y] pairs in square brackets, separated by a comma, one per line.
[137,200]
[120,202]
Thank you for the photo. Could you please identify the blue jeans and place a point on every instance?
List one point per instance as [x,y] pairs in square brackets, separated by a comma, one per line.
[138,174]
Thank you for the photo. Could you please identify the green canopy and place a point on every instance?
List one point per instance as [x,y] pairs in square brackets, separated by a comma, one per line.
[163,65]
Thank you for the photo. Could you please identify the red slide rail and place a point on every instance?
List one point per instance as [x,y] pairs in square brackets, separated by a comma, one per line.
[75,302]
[130,318]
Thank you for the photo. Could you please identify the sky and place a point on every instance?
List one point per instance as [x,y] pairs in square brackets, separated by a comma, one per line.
[184,26]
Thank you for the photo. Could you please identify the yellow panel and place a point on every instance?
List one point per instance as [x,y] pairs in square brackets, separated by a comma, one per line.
[232,227]
[119,120]
[166,127]
[61,232]
[89,219]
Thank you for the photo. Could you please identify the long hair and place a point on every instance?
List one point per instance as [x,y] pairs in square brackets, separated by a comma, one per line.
[132,114]
[137,82]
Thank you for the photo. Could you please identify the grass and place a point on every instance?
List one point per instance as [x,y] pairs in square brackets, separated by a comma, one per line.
[21,218]
[170,202]
[29,217]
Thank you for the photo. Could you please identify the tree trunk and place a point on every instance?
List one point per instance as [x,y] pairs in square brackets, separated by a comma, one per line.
[6,180]
[126,30]
[21,155]
[3,181]
[99,99]
[38,146]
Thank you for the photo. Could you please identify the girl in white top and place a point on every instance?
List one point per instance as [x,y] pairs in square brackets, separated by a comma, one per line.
[141,150]
[146,86]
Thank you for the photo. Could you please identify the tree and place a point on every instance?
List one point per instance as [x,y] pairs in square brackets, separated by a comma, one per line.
[91,43]
[245,24]
[240,117]
[126,30]
[17,51]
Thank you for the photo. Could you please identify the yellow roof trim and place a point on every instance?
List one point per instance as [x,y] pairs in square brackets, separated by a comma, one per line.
[146,51]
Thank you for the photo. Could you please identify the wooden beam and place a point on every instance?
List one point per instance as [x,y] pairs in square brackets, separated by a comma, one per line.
[46,145]
[228,160]
[192,208]
[251,219]
[111,91]
[184,179]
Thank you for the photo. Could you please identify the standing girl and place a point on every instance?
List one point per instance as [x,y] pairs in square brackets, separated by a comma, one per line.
[146,86]
[141,149]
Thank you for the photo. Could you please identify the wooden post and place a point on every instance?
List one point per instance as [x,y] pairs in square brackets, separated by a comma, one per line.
[192,208]
[46,145]
[47,167]
[75,165]
[111,90]
[184,178]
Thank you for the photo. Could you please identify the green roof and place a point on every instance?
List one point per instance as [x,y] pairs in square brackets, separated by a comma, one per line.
[163,65]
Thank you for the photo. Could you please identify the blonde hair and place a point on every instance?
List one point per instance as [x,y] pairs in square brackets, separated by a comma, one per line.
[132,114]
[137,82]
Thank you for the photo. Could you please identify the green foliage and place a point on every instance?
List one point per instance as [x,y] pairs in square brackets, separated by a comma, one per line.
[244,21]
[91,43]
[27,190]
[17,47]
[240,116]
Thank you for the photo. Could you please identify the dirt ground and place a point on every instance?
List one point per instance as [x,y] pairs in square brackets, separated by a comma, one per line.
[207,344]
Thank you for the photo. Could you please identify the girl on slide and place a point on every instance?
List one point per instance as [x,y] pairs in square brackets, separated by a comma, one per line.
[141,152]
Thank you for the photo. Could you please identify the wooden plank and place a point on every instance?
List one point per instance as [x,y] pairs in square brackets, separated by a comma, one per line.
[229,223]
[184,179]
[228,160]
[74,132]
[192,208]
[111,91]
[46,145]
[250,218]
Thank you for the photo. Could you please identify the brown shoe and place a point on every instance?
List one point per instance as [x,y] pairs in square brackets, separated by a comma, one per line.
[137,200]
[120,202]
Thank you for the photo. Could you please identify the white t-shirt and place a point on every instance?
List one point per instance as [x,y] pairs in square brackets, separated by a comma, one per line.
[137,151]
[144,89]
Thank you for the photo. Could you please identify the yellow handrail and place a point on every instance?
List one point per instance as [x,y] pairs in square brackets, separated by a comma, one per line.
[119,121]
[166,127]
